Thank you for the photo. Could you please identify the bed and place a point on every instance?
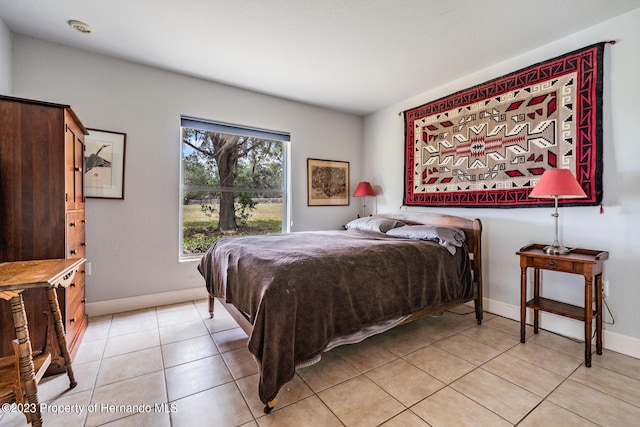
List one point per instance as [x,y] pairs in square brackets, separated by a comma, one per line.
[299,294]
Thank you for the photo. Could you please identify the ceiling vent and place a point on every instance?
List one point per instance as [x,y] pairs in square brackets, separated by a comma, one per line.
[81,27]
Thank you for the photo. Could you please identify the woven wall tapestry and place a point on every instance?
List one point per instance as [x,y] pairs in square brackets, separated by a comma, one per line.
[487,146]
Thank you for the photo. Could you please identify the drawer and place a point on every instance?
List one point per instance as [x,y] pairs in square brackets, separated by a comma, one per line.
[553,264]
[75,309]
[75,223]
[75,291]
[76,246]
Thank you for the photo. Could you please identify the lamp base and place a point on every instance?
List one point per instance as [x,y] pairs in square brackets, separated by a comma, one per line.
[556,249]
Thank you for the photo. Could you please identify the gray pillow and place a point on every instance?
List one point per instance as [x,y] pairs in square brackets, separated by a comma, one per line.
[448,237]
[374,224]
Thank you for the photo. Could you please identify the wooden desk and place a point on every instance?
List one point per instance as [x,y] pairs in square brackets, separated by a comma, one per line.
[587,262]
[19,378]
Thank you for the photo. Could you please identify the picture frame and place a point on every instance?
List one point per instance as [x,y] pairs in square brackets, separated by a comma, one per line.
[104,164]
[327,182]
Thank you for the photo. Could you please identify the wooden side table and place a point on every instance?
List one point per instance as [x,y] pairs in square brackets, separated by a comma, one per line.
[587,262]
[19,377]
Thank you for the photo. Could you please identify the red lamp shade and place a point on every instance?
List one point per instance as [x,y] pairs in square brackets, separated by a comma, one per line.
[557,183]
[364,189]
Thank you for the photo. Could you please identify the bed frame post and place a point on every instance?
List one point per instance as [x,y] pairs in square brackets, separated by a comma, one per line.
[477,267]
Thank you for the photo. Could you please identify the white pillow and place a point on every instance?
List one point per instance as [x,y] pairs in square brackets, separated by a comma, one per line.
[374,224]
[448,237]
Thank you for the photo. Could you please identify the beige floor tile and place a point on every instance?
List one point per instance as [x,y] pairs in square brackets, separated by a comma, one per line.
[620,363]
[508,326]
[609,382]
[127,343]
[57,386]
[196,376]
[310,412]
[221,406]
[178,314]
[203,307]
[496,394]
[123,398]
[594,405]
[123,326]
[331,370]
[404,381]
[221,321]
[491,337]
[66,411]
[546,358]
[182,331]
[365,355]
[177,353]
[204,366]
[360,402]
[524,374]
[98,328]
[447,408]
[405,419]
[129,365]
[405,340]
[439,363]
[559,343]
[146,419]
[135,315]
[240,363]
[230,339]
[548,414]
[90,351]
[293,391]
[468,349]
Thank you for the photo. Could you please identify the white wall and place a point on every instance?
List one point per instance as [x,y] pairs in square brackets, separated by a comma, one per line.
[6,80]
[506,230]
[133,244]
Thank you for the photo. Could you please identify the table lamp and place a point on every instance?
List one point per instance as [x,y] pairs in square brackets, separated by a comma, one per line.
[363,190]
[557,184]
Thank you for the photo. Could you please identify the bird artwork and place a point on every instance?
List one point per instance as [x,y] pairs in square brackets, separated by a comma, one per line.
[95,161]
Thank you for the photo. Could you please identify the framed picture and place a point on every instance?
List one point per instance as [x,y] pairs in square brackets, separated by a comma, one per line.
[327,183]
[104,164]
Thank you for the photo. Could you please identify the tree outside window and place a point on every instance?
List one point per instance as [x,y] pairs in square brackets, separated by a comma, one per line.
[233,183]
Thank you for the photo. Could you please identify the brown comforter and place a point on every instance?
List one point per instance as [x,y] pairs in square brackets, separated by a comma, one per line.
[300,290]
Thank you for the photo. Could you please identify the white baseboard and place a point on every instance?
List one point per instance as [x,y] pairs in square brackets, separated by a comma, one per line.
[567,327]
[145,301]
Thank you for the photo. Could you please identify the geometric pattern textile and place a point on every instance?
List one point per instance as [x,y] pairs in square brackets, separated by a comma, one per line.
[488,145]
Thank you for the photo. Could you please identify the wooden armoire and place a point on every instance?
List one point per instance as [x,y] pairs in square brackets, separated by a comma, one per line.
[42,210]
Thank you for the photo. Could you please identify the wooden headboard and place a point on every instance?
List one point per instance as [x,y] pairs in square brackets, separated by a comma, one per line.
[472,229]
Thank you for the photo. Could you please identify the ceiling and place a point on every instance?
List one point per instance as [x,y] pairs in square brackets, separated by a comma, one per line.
[351,55]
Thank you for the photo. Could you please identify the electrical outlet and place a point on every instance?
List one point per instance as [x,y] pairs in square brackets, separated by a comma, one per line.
[605,288]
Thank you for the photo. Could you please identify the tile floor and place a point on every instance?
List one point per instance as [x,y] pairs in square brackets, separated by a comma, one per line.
[445,370]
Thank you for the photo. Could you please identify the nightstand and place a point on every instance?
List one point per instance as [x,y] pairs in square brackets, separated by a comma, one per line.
[586,262]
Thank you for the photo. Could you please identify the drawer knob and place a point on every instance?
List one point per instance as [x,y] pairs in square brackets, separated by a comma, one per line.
[72,224]
[83,244]
[72,285]
[72,251]
[72,320]
[76,168]
[552,263]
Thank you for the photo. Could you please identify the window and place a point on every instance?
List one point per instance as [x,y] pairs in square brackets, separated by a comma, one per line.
[233,182]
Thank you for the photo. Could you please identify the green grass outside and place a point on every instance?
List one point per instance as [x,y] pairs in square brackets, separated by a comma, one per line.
[201,231]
